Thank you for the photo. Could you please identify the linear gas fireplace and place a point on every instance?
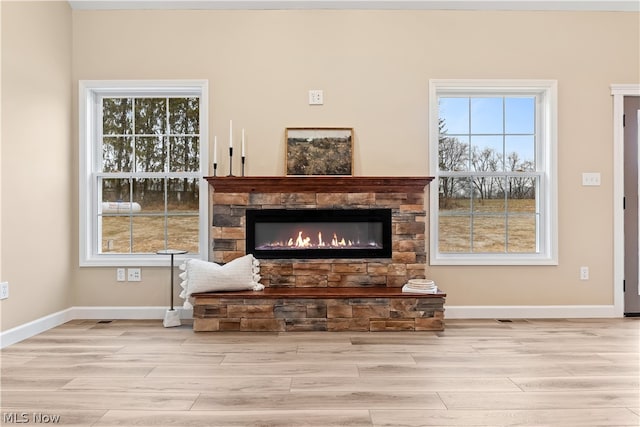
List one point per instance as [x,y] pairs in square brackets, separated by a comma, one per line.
[318,233]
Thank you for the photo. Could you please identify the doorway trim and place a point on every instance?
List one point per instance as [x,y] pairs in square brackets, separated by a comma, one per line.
[619,91]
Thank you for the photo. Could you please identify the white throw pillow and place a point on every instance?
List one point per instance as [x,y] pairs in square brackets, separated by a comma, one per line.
[241,274]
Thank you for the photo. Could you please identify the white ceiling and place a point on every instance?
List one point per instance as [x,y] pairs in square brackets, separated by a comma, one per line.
[596,5]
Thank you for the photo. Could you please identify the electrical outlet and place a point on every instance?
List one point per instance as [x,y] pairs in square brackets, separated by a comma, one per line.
[316,97]
[120,275]
[4,290]
[134,275]
[584,273]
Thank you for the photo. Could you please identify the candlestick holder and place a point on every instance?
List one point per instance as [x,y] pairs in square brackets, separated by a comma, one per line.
[215,169]
[230,161]
[243,165]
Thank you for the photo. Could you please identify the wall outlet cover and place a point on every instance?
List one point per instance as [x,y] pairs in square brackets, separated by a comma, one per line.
[4,290]
[134,275]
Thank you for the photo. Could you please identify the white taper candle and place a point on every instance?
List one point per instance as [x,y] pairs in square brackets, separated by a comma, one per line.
[242,142]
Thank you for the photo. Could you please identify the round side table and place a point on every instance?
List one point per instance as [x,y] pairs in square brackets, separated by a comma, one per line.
[171,317]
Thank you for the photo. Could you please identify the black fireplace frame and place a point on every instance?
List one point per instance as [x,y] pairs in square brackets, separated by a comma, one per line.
[318,215]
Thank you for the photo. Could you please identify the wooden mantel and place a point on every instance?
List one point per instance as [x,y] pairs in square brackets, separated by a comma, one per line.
[306,184]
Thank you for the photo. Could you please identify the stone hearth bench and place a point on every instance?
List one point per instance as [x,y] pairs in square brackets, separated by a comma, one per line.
[277,309]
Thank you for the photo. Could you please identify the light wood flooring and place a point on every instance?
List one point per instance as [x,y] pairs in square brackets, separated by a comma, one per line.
[475,373]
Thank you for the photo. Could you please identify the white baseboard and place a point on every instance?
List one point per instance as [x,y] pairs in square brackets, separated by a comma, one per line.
[134,313]
[43,324]
[529,312]
[35,327]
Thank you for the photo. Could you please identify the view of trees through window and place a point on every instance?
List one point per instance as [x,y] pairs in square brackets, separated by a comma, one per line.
[148,183]
[488,183]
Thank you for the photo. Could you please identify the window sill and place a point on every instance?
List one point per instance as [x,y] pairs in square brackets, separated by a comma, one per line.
[123,260]
[487,259]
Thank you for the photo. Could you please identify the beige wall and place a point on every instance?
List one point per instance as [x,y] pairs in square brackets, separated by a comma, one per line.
[374,68]
[37,186]
[1,276]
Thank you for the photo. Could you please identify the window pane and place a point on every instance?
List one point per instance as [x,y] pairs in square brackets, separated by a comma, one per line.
[522,233]
[487,153]
[454,195]
[184,155]
[454,116]
[453,153]
[488,195]
[520,115]
[489,233]
[149,193]
[150,116]
[183,195]
[184,116]
[116,232]
[520,151]
[521,193]
[523,215]
[115,190]
[486,116]
[454,234]
[454,223]
[183,233]
[148,234]
[116,154]
[117,116]
[150,154]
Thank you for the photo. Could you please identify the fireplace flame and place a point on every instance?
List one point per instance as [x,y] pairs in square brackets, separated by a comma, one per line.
[341,242]
[304,241]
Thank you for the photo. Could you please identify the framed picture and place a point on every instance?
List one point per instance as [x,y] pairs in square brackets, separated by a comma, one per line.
[319,151]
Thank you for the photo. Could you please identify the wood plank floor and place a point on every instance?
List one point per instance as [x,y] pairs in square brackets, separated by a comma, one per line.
[475,373]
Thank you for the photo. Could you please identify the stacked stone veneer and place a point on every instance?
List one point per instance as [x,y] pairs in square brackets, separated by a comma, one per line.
[411,313]
[408,258]
[358,308]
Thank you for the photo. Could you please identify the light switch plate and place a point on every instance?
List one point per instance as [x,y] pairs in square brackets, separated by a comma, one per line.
[591,179]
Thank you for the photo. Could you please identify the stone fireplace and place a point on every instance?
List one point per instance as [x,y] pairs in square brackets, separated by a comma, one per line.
[337,199]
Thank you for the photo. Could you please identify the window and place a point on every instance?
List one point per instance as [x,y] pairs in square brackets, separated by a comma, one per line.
[143,155]
[493,156]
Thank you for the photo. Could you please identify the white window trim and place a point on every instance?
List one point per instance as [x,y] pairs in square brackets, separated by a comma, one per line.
[547,154]
[89,92]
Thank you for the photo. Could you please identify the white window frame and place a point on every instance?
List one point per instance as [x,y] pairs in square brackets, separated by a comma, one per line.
[546,167]
[90,92]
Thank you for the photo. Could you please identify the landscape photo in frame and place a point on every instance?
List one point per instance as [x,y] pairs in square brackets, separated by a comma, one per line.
[319,151]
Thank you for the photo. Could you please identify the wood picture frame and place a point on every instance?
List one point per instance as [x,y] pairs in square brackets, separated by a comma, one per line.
[319,151]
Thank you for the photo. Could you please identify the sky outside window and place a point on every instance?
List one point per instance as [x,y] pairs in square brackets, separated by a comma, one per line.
[505,125]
